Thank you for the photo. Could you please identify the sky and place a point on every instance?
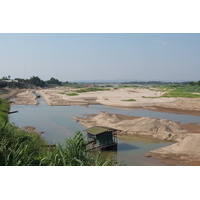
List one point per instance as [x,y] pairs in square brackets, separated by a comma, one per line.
[101,56]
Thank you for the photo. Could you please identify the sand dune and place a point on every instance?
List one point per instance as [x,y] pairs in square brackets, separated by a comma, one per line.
[186,148]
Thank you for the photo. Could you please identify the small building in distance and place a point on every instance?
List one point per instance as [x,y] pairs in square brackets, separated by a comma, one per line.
[101,138]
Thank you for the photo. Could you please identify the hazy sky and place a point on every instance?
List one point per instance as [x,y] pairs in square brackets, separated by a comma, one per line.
[73,57]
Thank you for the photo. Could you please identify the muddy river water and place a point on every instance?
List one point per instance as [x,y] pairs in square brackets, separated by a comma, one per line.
[57,124]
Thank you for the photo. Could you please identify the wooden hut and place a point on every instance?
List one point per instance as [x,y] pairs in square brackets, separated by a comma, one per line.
[101,138]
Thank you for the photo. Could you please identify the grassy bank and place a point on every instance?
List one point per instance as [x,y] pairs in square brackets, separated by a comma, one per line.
[20,148]
[187,91]
[4,109]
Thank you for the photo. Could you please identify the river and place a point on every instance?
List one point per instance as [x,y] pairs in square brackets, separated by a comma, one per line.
[57,124]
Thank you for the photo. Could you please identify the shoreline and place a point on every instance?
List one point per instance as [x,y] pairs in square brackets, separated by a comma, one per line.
[53,97]
[185,149]
[115,99]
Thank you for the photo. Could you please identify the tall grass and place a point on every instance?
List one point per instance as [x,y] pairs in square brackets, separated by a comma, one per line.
[74,154]
[4,108]
[20,148]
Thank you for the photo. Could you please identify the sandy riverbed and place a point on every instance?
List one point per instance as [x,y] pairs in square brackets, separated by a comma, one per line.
[19,96]
[186,137]
[114,98]
[143,98]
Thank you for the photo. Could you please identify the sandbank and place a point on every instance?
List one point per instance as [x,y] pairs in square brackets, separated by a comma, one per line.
[141,98]
[186,137]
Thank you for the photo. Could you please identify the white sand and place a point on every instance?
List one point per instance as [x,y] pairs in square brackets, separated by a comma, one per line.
[107,98]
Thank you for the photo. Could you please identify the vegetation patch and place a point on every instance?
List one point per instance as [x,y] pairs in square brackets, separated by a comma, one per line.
[72,94]
[181,94]
[20,148]
[178,90]
[4,108]
[92,89]
[130,100]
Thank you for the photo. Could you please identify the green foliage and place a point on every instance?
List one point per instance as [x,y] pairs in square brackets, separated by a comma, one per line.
[179,90]
[129,100]
[91,89]
[37,81]
[69,94]
[181,94]
[73,154]
[54,81]
[20,148]
[189,88]
[195,83]
[72,94]
[5,78]
[4,108]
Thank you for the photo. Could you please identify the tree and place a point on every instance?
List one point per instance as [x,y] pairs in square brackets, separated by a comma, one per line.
[192,83]
[54,81]
[5,78]
[37,81]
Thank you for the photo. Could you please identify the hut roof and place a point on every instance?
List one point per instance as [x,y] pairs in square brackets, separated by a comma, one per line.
[95,130]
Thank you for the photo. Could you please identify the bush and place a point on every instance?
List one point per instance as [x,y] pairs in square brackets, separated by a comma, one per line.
[20,148]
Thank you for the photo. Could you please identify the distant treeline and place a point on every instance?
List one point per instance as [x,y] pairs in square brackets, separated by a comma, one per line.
[195,83]
[34,81]
[155,83]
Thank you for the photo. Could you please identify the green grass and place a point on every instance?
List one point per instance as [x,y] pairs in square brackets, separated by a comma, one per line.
[129,100]
[72,94]
[185,91]
[20,148]
[91,89]
[4,108]
[69,94]
[181,94]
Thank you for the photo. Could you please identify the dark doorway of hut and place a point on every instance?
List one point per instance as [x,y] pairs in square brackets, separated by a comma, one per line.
[101,138]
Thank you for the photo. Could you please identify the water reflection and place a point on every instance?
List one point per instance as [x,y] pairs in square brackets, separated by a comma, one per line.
[126,147]
[57,123]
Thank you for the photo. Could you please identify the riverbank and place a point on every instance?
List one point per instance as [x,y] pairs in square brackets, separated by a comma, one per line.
[186,137]
[19,96]
[128,98]
[139,98]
